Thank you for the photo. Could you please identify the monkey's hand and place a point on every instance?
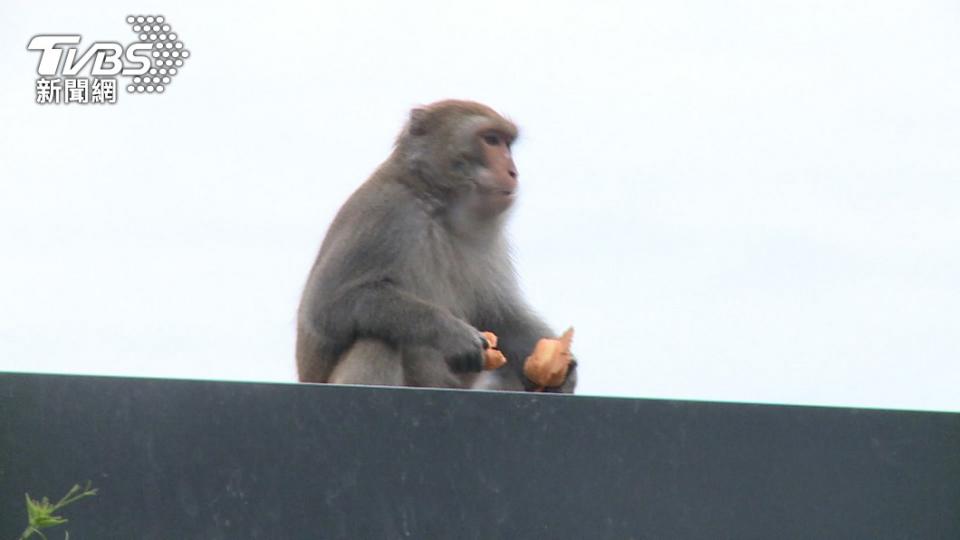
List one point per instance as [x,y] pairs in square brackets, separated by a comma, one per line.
[493,358]
[551,361]
[463,349]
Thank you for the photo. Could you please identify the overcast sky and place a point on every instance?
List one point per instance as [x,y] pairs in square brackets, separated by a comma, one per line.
[746,201]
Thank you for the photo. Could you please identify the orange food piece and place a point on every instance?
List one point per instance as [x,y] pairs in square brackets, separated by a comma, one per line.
[549,363]
[492,357]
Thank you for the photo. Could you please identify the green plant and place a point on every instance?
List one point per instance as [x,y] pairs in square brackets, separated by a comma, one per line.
[40,514]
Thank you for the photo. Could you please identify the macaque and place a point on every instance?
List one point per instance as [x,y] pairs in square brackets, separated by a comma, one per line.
[415,266]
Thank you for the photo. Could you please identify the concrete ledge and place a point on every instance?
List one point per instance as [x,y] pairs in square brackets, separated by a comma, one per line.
[180,459]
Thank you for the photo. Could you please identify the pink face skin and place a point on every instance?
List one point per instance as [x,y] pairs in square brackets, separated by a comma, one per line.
[497,182]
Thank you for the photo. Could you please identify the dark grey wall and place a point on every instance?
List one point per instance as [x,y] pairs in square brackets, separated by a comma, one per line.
[188,459]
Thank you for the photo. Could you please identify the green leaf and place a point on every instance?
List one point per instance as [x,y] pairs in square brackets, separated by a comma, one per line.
[40,513]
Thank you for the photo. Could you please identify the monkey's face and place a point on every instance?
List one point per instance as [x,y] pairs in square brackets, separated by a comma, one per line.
[489,174]
[462,149]
[496,174]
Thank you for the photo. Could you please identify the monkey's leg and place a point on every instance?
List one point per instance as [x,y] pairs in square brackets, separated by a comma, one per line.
[493,380]
[369,361]
[425,366]
[386,311]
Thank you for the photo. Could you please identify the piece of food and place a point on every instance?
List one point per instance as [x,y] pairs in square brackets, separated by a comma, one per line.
[549,363]
[492,357]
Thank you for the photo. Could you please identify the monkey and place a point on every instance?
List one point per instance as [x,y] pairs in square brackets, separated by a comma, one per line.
[415,265]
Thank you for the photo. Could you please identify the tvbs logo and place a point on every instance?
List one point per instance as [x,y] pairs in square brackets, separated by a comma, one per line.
[149,64]
[107,56]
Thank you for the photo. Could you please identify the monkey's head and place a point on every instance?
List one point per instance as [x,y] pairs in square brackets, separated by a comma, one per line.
[461,151]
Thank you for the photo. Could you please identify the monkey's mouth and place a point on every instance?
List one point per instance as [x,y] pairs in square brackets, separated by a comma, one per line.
[500,191]
[502,198]
[494,192]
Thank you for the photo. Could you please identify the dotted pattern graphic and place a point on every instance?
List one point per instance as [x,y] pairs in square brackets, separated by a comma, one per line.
[167,54]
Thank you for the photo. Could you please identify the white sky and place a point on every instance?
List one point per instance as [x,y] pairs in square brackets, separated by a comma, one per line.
[747,201]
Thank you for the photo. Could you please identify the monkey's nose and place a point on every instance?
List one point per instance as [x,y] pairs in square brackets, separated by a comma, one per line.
[512,173]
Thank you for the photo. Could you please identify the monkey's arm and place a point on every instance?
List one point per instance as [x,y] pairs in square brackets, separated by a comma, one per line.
[385,311]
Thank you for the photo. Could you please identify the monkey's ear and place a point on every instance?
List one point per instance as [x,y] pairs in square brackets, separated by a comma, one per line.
[418,122]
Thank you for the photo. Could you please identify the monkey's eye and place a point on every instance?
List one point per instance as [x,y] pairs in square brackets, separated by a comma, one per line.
[492,139]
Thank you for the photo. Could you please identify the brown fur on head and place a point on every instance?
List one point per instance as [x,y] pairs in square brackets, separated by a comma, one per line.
[460,150]
[436,116]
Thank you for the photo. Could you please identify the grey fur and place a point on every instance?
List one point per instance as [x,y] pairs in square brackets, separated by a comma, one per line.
[407,276]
